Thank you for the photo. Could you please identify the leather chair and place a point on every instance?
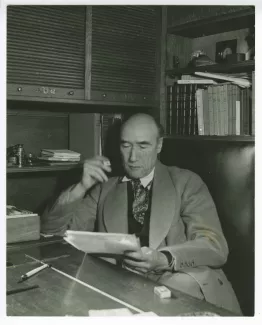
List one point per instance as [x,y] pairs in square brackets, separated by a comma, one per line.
[227,168]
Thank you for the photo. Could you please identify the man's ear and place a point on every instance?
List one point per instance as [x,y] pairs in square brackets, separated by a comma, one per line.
[159,145]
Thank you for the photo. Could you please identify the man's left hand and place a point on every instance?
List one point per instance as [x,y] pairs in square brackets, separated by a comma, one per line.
[146,260]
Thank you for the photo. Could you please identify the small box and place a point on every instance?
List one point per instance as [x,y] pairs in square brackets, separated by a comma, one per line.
[21,226]
[162,292]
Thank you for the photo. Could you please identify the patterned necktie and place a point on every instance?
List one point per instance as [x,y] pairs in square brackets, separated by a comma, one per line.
[141,200]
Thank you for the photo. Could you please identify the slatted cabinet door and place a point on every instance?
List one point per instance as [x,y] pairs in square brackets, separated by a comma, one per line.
[123,48]
[46,51]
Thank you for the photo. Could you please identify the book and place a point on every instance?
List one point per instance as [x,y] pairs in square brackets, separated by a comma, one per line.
[194,104]
[206,112]
[211,109]
[225,108]
[234,98]
[169,110]
[230,109]
[238,111]
[247,114]
[200,111]
[215,110]
[219,110]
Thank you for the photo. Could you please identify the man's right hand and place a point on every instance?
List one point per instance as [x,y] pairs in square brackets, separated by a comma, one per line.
[94,171]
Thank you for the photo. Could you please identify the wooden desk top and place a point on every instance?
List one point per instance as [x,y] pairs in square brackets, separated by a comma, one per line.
[85,283]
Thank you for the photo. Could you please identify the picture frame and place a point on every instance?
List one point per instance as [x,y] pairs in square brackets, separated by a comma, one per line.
[225,48]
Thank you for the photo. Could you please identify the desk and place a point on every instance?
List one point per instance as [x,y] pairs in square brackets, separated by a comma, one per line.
[79,282]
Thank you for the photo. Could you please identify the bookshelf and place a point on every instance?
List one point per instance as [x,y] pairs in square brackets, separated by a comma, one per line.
[36,169]
[244,66]
[209,111]
[229,138]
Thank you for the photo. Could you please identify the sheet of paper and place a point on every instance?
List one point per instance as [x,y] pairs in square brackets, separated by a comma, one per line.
[102,243]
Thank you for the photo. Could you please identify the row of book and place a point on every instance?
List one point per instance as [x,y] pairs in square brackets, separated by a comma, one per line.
[219,109]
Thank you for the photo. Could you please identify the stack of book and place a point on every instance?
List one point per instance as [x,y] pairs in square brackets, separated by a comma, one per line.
[205,109]
[59,156]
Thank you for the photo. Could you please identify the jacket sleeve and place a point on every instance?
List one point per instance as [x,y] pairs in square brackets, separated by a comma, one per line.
[76,215]
[206,244]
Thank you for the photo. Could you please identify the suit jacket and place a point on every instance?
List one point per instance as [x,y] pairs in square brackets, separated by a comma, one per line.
[183,221]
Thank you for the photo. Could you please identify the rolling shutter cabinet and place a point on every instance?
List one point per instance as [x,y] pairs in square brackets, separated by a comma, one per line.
[123,47]
[46,51]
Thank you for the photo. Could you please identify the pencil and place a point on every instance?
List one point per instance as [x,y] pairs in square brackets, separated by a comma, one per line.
[13,291]
[29,274]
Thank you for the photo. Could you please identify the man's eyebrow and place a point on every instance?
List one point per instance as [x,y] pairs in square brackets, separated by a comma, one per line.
[138,142]
[144,142]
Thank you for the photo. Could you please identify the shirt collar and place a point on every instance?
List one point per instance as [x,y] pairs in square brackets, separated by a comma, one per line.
[144,180]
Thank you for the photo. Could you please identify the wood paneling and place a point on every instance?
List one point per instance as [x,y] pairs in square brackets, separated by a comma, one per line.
[38,132]
[178,46]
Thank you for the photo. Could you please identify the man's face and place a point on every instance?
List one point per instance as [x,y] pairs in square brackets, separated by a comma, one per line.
[139,147]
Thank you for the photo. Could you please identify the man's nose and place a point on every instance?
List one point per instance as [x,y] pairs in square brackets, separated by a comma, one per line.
[133,155]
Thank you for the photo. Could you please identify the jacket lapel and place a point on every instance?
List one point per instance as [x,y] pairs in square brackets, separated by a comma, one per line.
[162,206]
[115,209]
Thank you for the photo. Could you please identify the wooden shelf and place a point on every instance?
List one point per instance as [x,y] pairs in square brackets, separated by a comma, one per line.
[215,24]
[228,138]
[244,66]
[34,169]
[84,104]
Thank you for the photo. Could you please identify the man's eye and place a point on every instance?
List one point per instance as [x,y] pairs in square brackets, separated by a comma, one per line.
[143,146]
[125,145]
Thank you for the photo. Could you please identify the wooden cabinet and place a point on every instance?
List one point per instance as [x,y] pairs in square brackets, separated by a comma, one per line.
[46,51]
[124,41]
[96,54]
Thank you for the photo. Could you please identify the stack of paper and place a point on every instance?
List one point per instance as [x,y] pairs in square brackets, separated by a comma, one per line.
[102,243]
[14,212]
[59,155]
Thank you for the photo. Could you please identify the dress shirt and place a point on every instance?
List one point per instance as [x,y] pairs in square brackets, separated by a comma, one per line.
[144,180]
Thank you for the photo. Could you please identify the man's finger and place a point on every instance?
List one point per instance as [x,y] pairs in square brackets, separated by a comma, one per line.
[96,176]
[135,256]
[102,164]
[98,171]
[142,265]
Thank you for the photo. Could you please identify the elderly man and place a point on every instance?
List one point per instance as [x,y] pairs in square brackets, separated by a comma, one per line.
[168,208]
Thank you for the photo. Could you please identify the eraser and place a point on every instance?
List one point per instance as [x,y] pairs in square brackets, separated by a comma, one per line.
[110,312]
[162,292]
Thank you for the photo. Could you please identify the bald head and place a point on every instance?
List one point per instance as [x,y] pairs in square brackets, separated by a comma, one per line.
[140,143]
[144,122]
